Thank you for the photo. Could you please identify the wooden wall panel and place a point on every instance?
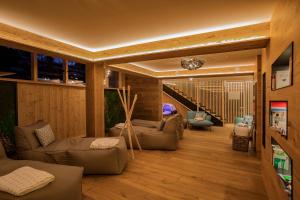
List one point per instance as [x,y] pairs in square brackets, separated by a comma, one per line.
[181,109]
[63,107]
[285,28]
[149,102]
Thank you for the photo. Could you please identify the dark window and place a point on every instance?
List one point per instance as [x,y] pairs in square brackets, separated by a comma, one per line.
[113,79]
[50,68]
[76,72]
[15,63]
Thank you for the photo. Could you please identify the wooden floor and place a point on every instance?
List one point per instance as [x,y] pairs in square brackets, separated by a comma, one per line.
[204,167]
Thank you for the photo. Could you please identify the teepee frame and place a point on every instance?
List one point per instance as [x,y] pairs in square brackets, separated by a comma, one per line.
[125,99]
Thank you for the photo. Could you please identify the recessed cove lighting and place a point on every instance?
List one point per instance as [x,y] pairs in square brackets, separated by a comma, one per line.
[241,65]
[207,74]
[207,44]
[136,42]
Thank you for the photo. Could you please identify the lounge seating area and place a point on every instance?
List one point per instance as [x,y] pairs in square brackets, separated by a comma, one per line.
[149,100]
[154,135]
[71,151]
[66,185]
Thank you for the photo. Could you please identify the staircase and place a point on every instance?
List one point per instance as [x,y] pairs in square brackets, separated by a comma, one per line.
[190,102]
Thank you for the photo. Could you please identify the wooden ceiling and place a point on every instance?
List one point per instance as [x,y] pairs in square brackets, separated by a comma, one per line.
[97,25]
[50,26]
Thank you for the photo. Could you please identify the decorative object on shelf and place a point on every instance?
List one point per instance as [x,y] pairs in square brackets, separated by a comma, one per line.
[278,116]
[282,69]
[191,63]
[283,164]
[128,108]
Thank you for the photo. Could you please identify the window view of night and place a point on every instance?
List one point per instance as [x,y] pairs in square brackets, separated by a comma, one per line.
[50,68]
[76,72]
[15,63]
[113,79]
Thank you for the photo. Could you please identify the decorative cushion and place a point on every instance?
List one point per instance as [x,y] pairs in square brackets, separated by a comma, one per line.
[2,151]
[207,117]
[248,119]
[9,147]
[24,180]
[104,143]
[171,125]
[191,114]
[162,124]
[45,135]
[238,120]
[199,118]
[26,138]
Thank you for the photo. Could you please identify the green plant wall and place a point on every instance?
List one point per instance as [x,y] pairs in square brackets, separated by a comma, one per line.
[114,112]
[8,117]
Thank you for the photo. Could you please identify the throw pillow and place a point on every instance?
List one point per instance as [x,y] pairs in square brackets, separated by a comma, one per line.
[45,135]
[9,147]
[162,124]
[24,180]
[198,118]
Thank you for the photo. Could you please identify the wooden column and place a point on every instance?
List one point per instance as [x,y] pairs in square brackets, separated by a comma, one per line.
[95,75]
[66,71]
[121,79]
[34,67]
[259,105]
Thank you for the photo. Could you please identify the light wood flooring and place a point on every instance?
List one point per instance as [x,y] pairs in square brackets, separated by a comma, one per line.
[204,167]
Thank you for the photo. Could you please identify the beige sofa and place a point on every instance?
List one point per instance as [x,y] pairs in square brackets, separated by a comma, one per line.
[152,138]
[156,124]
[67,183]
[71,151]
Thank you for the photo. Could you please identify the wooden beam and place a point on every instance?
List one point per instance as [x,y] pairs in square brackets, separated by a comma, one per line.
[238,34]
[17,35]
[240,37]
[95,74]
[35,49]
[66,71]
[34,67]
[218,48]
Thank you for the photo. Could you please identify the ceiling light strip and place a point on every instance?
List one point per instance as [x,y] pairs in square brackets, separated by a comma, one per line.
[208,44]
[202,68]
[207,74]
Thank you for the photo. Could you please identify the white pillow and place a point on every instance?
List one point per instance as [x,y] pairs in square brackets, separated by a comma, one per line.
[45,135]
[104,143]
[24,180]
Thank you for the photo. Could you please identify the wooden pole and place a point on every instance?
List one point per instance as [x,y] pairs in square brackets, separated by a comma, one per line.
[125,100]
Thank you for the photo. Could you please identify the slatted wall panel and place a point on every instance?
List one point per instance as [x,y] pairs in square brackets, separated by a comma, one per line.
[238,98]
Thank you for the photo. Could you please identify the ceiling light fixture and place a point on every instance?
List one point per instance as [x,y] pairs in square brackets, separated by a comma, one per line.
[191,63]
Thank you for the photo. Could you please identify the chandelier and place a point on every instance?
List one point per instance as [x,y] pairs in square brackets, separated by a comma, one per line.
[191,63]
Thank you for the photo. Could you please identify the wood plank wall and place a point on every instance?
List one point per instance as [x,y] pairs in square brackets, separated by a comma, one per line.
[63,107]
[149,102]
[285,28]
